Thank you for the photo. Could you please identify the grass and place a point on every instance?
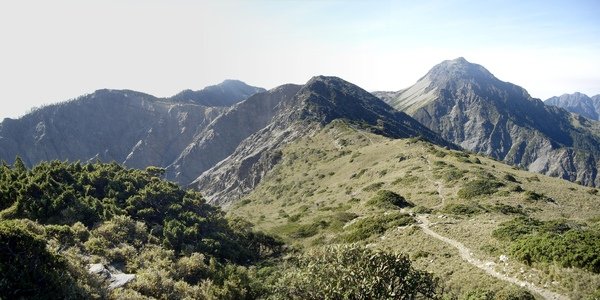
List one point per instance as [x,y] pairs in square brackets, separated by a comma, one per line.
[292,201]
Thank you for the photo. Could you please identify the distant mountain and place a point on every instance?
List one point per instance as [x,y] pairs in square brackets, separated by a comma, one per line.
[125,126]
[227,93]
[578,103]
[467,105]
[300,111]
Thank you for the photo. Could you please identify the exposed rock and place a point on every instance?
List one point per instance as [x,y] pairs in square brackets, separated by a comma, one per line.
[114,277]
[220,138]
[467,105]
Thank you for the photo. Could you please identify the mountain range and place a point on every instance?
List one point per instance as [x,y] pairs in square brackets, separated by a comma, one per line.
[315,165]
[222,140]
[467,105]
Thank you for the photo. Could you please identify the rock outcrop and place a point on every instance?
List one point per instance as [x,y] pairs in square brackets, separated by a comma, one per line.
[111,275]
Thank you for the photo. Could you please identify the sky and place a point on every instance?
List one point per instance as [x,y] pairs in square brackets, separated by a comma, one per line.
[52,51]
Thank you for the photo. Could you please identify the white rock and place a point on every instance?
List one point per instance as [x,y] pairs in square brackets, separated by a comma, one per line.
[119,280]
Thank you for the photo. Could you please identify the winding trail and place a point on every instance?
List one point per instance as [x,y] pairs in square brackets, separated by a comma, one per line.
[438,184]
[467,255]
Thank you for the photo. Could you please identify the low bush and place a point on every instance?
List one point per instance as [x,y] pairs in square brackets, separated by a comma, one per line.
[508,209]
[465,209]
[479,187]
[388,200]
[564,242]
[354,272]
[367,227]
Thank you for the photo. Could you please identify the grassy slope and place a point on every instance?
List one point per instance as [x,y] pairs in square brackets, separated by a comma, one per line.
[319,192]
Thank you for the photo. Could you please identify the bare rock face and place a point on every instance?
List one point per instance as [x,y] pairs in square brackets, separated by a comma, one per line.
[222,136]
[578,103]
[467,105]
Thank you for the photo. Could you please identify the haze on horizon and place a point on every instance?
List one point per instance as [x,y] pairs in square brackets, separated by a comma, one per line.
[57,50]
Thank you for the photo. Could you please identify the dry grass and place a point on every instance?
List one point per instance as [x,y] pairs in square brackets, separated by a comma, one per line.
[336,171]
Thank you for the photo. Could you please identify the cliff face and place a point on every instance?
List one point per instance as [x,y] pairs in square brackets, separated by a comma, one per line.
[467,105]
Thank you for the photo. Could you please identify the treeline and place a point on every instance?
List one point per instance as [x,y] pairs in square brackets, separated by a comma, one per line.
[58,218]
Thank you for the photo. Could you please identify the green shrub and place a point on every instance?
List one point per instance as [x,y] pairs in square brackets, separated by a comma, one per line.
[373,187]
[510,178]
[514,229]
[467,209]
[388,200]
[574,248]
[353,272]
[533,196]
[308,230]
[422,210]
[479,187]
[406,180]
[367,227]
[29,270]
[564,242]
[507,209]
[453,174]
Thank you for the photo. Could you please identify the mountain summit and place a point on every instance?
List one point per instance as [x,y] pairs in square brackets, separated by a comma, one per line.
[467,105]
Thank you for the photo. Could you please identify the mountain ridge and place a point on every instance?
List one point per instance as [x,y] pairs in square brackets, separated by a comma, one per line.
[130,127]
[320,101]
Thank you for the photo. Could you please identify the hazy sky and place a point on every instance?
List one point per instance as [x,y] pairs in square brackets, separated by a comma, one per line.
[57,50]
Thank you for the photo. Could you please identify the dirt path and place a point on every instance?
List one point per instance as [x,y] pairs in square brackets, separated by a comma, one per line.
[467,255]
[438,184]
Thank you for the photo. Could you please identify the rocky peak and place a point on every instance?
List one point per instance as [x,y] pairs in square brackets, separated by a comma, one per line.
[467,105]
[450,71]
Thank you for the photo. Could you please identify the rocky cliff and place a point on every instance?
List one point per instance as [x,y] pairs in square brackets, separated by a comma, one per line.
[467,105]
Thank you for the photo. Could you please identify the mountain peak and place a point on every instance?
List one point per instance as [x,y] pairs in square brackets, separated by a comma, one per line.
[457,69]
[226,93]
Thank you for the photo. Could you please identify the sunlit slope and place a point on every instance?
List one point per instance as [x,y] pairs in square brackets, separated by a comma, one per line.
[328,189]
